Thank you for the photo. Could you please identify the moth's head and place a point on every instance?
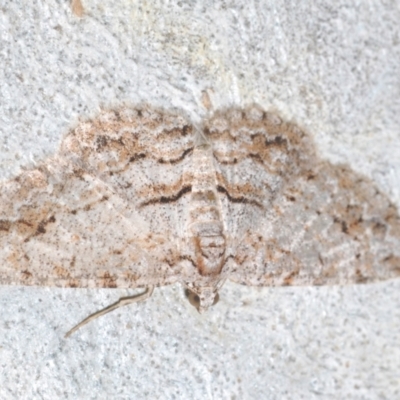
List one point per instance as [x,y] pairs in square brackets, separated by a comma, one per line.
[202,298]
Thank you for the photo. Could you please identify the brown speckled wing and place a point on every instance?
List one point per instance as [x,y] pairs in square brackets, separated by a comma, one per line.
[291,218]
[83,219]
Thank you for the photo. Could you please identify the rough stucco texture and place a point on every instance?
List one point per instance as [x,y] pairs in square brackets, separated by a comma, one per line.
[333,69]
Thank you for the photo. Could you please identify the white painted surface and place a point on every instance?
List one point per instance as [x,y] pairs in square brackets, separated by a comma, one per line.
[332,69]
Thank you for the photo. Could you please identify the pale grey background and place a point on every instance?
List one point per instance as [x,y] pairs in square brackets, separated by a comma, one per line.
[332,67]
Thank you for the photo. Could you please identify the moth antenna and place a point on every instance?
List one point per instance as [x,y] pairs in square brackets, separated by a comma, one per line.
[123,301]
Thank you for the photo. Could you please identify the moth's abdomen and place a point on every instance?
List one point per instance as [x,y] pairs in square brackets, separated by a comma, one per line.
[209,244]
[206,227]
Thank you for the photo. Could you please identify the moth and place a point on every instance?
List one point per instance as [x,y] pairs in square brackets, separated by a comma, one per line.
[140,197]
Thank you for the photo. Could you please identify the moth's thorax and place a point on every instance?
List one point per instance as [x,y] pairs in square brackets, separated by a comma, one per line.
[206,228]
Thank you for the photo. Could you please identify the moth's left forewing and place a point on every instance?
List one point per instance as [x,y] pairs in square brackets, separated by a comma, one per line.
[106,211]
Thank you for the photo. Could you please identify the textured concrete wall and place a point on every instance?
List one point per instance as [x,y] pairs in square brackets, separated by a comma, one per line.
[332,68]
